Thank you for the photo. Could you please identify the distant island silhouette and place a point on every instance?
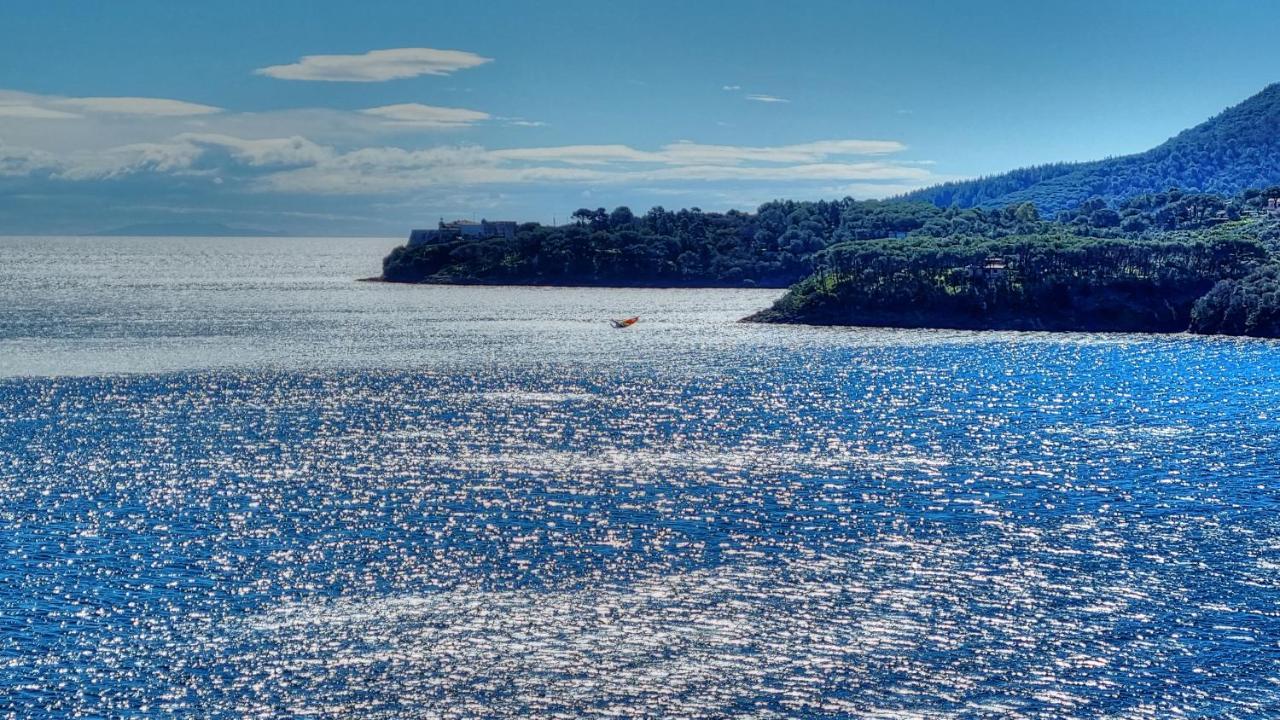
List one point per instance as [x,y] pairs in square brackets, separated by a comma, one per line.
[191,229]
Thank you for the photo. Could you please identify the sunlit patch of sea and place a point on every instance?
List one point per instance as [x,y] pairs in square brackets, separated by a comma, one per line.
[294,496]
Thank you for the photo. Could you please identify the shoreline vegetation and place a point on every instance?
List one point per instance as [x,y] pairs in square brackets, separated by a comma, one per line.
[1053,283]
[1161,262]
[1087,246]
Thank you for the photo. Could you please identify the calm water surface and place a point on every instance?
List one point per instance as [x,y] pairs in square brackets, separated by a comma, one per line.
[234,483]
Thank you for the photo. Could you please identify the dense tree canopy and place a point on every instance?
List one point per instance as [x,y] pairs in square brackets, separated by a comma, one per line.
[1247,306]
[1139,264]
[773,247]
[1023,282]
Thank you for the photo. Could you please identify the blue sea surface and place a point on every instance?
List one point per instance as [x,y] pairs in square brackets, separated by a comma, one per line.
[235,483]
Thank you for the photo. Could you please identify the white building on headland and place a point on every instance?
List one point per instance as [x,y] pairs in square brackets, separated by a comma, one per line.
[464,229]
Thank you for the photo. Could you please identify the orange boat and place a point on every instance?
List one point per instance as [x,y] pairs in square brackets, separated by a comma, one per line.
[625,323]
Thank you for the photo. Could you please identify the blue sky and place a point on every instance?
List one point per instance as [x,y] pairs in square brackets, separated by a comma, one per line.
[333,117]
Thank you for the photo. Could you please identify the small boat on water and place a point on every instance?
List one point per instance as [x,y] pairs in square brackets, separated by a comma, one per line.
[628,322]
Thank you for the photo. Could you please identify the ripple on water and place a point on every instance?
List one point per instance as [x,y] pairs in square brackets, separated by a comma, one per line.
[1002,529]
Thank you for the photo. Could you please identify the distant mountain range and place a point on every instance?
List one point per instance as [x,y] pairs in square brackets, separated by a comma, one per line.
[1234,151]
[188,229]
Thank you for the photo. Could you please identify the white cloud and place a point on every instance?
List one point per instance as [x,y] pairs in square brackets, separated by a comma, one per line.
[33,112]
[426,116]
[767,99]
[806,171]
[160,158]
[19,106]
[689,153]
[19,161]
[383,170]
[526,123]
[376,65]
[332,152]
[376,174]
[270,152]
[392,170]
[579,154]
[160,107]
[731,88]
[188,154]
[97,124]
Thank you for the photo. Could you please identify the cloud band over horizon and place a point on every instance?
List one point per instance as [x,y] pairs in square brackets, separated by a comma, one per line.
[140,148]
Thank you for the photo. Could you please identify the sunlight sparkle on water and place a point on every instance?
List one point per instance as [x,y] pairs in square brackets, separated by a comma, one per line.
[745,521]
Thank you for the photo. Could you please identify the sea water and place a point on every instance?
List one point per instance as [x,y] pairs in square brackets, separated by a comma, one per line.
[234,482]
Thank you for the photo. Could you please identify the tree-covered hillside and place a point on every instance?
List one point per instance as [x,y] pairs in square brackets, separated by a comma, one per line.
[773,247]
[1158,262]
[1176,238]
[1049,281]
[1237,150]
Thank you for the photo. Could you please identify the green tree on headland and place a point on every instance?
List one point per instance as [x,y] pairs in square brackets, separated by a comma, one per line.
[1141,264]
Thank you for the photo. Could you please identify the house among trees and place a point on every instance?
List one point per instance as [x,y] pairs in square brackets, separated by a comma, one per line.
[987,269]
[464,229]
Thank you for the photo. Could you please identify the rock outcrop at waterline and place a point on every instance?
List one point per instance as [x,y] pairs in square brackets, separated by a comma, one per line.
[1215,283]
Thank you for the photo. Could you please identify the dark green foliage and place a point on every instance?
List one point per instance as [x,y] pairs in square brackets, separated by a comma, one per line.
[773,247]
[1248,306]
[1137,265]
[1022,282]
[770,248]
[1237,150]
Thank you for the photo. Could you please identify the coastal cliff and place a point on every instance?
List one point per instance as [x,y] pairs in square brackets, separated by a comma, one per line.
[1210,282]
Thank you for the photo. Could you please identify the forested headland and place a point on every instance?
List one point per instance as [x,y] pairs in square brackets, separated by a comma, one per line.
[775,246]
[1159,262]
[1106,245]
[1056,281]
